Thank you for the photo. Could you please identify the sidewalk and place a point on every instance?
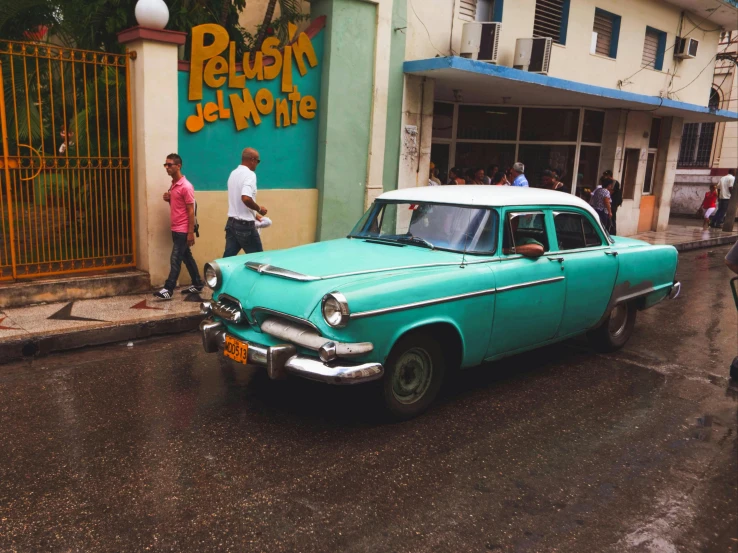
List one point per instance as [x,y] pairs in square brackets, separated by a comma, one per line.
[687,234]
[46,328]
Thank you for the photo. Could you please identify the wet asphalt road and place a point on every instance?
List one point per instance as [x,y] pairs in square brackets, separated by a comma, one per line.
[155,448]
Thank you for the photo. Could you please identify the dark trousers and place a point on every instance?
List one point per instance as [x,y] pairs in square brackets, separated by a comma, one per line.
[241,235]
[181,252]
[719,217]
[614,221]
[604,219]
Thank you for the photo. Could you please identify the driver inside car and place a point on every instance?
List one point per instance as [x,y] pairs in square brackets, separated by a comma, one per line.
[523,245]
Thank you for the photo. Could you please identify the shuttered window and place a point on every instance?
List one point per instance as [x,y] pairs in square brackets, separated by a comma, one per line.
[653,49]
[551,19]
[607,27]
[468,10]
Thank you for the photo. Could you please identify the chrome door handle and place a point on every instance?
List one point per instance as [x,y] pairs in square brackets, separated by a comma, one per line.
[614,254]
[559,259]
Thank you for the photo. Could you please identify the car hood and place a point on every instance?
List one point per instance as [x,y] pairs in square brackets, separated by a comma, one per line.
[320,268]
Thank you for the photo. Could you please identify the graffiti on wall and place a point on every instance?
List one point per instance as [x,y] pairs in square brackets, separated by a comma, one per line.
[214,65]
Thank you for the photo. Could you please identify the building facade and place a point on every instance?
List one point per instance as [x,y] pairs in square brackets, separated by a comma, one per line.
[708,150]
[613,96]
[393,85]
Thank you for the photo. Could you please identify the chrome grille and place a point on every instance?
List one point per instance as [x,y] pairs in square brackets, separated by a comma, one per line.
[227,308]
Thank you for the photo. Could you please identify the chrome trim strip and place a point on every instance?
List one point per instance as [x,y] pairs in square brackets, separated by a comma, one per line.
[529,284]
[292,318]
[292,275]
[279,272]
[426,303]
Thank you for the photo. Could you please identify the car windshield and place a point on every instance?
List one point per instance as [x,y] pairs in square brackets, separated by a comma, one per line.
[445,227]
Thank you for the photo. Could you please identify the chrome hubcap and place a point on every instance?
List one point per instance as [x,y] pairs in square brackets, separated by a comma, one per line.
[412,376]
[618,320]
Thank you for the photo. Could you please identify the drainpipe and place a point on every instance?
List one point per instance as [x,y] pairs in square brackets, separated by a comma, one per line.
[729,220]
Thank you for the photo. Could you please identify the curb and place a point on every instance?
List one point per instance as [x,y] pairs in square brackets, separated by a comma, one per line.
[697,244]
[38,346]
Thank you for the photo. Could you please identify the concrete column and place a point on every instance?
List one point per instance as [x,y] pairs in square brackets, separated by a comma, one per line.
[416,132]
[665,170]
[613,138]
[154,94]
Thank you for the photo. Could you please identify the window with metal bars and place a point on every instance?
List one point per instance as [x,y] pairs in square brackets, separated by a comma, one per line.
[696,147]
[654,47]
[606,29]
[551,19]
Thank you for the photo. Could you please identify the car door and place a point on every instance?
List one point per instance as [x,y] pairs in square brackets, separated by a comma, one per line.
[590,265]
[530,293]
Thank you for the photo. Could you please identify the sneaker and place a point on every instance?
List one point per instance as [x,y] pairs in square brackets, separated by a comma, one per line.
[192,289]
[163,294]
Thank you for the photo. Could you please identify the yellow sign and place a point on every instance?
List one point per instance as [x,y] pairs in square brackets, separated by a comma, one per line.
[210,67]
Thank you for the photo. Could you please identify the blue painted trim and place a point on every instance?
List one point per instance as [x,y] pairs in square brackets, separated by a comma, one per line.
[564,22]
[483,68]
[497,11]
[615,18]
[659,63]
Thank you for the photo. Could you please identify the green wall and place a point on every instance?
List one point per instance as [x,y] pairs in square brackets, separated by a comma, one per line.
[394,96]
[344,111]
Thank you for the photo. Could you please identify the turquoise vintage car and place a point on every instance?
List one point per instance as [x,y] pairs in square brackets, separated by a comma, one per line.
[431,280]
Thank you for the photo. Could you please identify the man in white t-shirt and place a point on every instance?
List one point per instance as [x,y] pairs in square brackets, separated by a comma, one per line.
[725,188]
[240,229]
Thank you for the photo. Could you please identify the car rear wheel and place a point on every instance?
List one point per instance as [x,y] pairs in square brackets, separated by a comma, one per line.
[413,376]
[616,329]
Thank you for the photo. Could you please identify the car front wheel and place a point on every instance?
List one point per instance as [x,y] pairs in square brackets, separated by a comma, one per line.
[413,376]
[616,329]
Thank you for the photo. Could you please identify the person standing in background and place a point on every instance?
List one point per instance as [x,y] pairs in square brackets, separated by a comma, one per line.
[518,175]
[725,189]
[617,200]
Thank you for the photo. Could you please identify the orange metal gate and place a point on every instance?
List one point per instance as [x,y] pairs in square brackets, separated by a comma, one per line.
[66,187]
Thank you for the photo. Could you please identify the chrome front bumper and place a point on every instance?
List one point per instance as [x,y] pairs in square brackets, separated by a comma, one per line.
[283,359]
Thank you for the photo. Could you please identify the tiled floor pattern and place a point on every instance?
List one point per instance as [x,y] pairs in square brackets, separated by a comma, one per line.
[95,313]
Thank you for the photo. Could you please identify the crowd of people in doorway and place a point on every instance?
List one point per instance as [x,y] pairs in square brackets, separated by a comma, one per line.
[606,198]
[514,175]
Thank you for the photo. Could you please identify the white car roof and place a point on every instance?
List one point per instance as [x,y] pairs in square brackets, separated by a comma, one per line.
[487,196]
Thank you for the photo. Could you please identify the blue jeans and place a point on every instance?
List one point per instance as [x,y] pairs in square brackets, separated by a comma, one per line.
[241,235]
[181,252]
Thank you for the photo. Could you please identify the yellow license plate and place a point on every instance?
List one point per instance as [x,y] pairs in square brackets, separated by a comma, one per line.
[236,350]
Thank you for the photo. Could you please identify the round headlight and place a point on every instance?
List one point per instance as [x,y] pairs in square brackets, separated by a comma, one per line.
[212,275]
[336,310]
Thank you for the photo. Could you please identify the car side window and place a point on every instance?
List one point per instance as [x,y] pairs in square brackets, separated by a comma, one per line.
[525,228]
[574,231]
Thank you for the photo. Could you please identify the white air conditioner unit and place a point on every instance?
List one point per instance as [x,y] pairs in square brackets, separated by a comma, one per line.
[533,54]
[480,41]
[685,48]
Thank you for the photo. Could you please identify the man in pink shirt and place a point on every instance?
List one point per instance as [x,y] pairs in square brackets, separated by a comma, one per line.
[181,199]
